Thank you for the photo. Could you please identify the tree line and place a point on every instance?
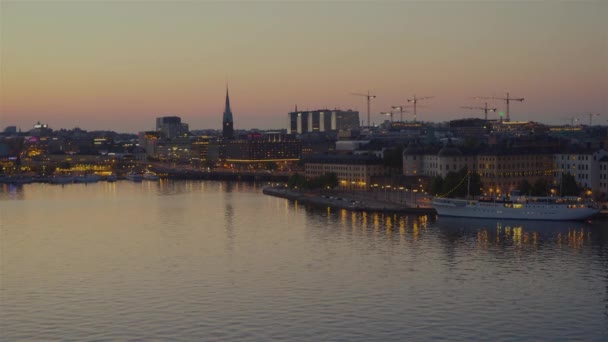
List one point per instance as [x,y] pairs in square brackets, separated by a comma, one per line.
[325,181]
[461,184]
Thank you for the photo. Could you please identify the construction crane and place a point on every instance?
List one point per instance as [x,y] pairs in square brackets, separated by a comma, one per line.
[485,110]
[388,114]
[369,99]
[573,120]
[591,115]
[401,110]
[415,101]
[506,99]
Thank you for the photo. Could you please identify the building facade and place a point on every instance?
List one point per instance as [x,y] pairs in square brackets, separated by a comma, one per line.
[261,148]
[322,120]
[500,170]
[171,127]
[583,164]
[353,171]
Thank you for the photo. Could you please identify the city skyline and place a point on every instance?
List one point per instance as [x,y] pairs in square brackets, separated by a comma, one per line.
[119,65]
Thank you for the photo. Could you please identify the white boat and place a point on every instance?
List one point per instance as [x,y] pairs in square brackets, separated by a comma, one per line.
[517,207]
[135,177]
[148,175]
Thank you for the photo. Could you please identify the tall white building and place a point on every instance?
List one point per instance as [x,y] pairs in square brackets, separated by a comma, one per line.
[321,120]
[584,165]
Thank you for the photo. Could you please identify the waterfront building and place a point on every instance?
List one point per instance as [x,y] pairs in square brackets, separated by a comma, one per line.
[603,176]
[200,147]
[177,149]
[259,148]
[353,171]
[501,169]
[171,127]
[322,120]
[227,121]
[582,163]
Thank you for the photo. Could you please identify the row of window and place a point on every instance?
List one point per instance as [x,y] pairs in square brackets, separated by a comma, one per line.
[580,167]
[577,157]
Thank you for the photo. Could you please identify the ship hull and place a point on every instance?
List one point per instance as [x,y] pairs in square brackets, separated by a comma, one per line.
[493,210]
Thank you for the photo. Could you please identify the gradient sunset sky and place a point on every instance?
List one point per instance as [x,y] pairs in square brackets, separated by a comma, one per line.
[120,64]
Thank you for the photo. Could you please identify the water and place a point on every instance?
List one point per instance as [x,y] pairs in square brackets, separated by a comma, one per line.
[220,261]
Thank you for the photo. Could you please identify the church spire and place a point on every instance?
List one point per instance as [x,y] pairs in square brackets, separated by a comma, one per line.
[227,122]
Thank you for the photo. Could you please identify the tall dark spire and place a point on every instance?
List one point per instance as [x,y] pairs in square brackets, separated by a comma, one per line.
[227,122]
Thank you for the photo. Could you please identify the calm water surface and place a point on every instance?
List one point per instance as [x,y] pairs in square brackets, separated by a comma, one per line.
[220,261]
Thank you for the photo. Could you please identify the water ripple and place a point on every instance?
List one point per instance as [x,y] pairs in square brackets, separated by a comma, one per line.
[185,261]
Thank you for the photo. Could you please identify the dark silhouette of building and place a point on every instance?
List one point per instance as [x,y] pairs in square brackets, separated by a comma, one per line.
[171,127]
[227,122]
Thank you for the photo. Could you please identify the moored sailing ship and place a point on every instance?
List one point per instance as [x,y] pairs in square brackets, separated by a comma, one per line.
[517,207]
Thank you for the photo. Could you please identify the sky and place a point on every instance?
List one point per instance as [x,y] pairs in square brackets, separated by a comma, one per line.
[120,64]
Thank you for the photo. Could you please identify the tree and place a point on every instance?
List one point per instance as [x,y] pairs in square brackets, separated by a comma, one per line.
[475,184]
[331,180]
[569,186]
[525,187]
[297,181]
[540,187]
[437,185]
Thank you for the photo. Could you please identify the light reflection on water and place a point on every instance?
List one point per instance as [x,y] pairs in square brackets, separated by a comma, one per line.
[188,261]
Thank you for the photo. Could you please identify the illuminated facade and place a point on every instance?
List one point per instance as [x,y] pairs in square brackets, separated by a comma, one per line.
[267,147]
[352,170]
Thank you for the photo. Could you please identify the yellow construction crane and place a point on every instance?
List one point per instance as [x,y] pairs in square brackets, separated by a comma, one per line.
[485,110]
[506,99]
[369,99]
[415,101]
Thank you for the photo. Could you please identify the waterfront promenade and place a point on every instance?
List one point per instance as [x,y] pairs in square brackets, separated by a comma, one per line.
[355,201]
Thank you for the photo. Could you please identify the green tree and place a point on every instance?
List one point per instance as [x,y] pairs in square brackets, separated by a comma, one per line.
[569,186]
[297,181]
[452,185]
[540,187]
[437,185]
[476,185]
[460,184]
[331,180]
[525,187]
